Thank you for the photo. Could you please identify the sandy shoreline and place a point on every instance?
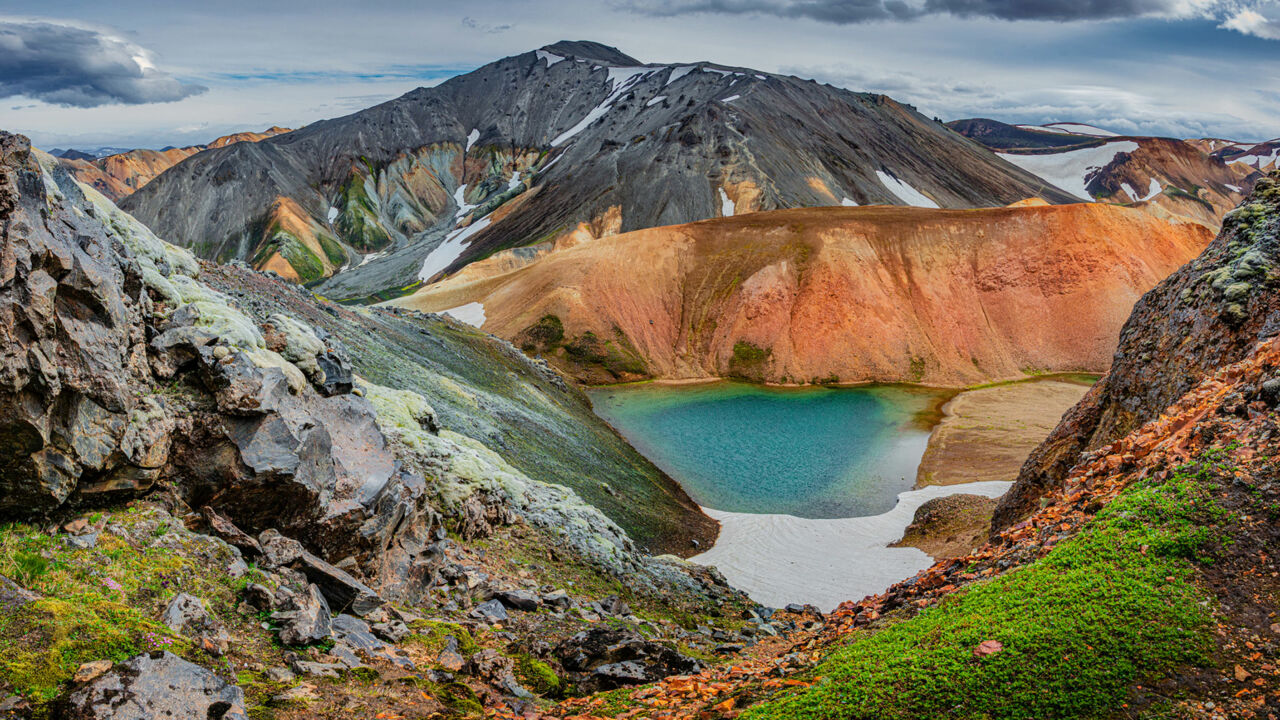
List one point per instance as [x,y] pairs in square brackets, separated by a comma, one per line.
[780,559]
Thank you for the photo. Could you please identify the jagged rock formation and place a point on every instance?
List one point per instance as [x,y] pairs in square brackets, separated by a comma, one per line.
[832,294]
[534,146]
[1208,314]
[1165,176]
[123,371]
[117,176]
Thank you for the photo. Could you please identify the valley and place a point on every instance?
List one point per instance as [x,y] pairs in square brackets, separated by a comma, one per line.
[571,385]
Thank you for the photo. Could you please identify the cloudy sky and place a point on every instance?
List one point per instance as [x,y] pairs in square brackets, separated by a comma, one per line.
[135,73]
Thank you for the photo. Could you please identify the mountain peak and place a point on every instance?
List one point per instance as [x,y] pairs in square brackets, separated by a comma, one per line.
[594,51]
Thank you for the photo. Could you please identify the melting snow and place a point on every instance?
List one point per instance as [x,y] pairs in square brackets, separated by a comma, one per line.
[1259,161]
[472,313]
[677,73]
[780,559]
[761,77]
[1234,188]
[1080,129]
[551,58]
[446,252]
[1073,169]
[472,138]
[723,73]
[1154,189]
[905,192]
[620,78]
[371,257]
[726,205]
[655,100]
[848,203]
[333,213]
[731,98]
[460,197]
[514,181]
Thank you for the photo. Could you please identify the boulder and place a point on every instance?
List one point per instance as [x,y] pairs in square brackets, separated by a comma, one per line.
[518,599]
[229,533]
[605,658]
[492,611]
[187,615]
[13,595]
[308,621]
[158,685]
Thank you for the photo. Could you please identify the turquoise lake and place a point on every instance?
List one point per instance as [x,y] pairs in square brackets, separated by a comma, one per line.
[808,452]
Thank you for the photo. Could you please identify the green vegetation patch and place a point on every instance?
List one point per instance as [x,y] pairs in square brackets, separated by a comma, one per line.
[749,361]
[101,602]
[1111,607]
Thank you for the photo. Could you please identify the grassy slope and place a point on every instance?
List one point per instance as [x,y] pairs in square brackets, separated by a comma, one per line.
[1111,607]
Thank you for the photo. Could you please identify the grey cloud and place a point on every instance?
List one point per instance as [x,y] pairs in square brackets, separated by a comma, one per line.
[1118,109]
[79,67]
[474,24]
[859,11]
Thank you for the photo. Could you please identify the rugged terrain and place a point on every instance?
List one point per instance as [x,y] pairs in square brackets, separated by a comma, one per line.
[222,504]
[118,175]
[573,138]
[213,507]
[886,294]
[1166,176]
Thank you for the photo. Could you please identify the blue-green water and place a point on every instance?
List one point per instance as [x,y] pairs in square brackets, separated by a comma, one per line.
[809,452]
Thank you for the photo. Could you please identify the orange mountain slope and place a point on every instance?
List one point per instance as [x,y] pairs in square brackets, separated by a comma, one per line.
[833,294]
[117,176]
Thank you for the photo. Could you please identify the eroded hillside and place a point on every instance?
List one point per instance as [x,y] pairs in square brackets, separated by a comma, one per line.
[832,294]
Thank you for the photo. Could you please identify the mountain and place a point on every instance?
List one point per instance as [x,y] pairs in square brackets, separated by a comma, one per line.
[885,294]
[574,137]
[119,173]
[1167,176]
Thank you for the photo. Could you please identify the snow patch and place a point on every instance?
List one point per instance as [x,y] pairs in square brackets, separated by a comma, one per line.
[472,138]
[780,559]
[371,257]
[1233,188]
[514,182]
[460,197]
[472,313]
[848,203]
[551,58]
[1071,170]
[620,78]
[905,192]
[333,213]
[655,100]
[446,252]
[679,72]
[727,206]
[731,98]
[1154,189]
[761,77]
[1072,128]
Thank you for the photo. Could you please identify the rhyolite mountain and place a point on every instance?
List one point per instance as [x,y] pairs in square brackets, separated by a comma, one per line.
[1166,176]
[533,146]
[869,294]
[118,174]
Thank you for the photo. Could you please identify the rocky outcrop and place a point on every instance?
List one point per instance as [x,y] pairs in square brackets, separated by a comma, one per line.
[1208,314]
[122,370]
[833,294]
[538,145]
[607,658]
[157,685]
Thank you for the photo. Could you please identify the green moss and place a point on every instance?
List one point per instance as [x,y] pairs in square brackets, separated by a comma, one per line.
[748,361]
[434,636]
[542,336]
[916,372]
[98,603]
[1109,608]
[538,676]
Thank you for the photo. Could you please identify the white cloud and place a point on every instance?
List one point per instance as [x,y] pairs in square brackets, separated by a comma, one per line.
[1252,22]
